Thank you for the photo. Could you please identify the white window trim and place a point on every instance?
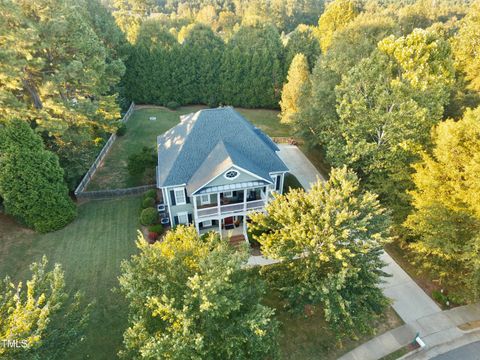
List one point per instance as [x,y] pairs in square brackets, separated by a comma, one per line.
[177,202]
[207,223]
[183,213]
[231,178]
[202,202]
[228,194]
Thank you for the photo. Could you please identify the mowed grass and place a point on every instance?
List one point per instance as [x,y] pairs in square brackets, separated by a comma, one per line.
[141,131]
[90,250]
[307,337]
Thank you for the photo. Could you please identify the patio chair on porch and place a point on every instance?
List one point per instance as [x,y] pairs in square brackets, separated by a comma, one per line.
[228,223]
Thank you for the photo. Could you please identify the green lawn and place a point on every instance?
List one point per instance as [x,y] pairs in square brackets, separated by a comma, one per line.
[308,338]
[143,132]
[140,132]
[90,251]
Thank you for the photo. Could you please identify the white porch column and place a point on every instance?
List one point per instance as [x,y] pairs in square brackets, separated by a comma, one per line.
[281,183]
[220,227]
[244,199]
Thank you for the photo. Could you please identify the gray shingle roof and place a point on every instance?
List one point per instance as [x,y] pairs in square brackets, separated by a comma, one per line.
[209,141]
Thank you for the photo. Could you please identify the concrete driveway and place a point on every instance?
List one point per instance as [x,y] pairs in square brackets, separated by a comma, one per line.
[299,165]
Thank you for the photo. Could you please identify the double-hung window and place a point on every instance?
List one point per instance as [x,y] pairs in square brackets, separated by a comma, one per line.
[228,194]
[183,218]
[180,196]
[205,199]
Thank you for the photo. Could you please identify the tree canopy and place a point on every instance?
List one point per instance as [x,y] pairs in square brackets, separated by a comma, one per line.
[190,298]
[45,320]
[329,240]
[31,180]
[446,216]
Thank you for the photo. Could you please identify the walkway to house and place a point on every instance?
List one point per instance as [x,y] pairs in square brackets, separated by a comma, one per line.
[419,312]
[438,331]
[299,165]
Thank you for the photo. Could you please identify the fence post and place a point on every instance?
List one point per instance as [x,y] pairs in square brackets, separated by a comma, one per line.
[91,171]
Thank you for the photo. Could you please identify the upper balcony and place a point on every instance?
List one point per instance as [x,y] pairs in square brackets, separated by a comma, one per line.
[238,202]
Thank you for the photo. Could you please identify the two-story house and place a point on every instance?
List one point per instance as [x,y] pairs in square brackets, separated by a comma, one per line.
[214,168]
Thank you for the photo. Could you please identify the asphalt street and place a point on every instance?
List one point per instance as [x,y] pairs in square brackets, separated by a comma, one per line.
[466,352]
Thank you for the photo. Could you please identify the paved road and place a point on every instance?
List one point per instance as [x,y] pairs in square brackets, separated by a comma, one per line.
[299,165]
[466,352]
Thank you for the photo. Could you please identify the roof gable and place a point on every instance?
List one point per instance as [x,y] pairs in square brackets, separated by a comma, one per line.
[207,142]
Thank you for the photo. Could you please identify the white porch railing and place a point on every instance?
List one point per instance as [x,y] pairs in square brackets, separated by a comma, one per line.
[231,208]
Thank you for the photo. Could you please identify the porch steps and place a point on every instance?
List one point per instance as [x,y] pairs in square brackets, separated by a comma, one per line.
[236,240]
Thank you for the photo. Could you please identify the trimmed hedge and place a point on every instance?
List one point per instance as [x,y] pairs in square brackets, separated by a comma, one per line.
[148,202]
[148,216]
[152,193]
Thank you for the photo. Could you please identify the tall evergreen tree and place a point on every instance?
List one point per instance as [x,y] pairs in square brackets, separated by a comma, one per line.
[31,180]
[304,41]
[252,73]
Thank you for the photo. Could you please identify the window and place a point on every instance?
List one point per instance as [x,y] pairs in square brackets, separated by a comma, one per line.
[205,199]
[180,196]
[228,194]
[183,218]
[231,174]
[207,223]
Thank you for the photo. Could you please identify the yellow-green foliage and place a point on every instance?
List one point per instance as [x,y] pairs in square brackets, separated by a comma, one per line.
[297,79]
[337,15]
[330,241]
[446,219]
[190,297]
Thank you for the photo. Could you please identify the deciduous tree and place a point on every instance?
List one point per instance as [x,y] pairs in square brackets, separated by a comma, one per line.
[329,240]
[446,200]
[297,79]
[40,318]
[190,298]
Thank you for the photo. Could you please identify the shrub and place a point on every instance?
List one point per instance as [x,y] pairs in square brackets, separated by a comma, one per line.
[439,297]
[148,216]
[121,130]
[172,105]
[152,193]
[152,235]
[148,202]
[137,163]
[157,228]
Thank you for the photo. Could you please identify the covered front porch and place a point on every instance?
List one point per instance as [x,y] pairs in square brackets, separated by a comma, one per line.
[231,227]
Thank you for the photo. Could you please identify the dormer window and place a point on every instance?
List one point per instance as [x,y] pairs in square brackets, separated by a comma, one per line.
[231,174]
